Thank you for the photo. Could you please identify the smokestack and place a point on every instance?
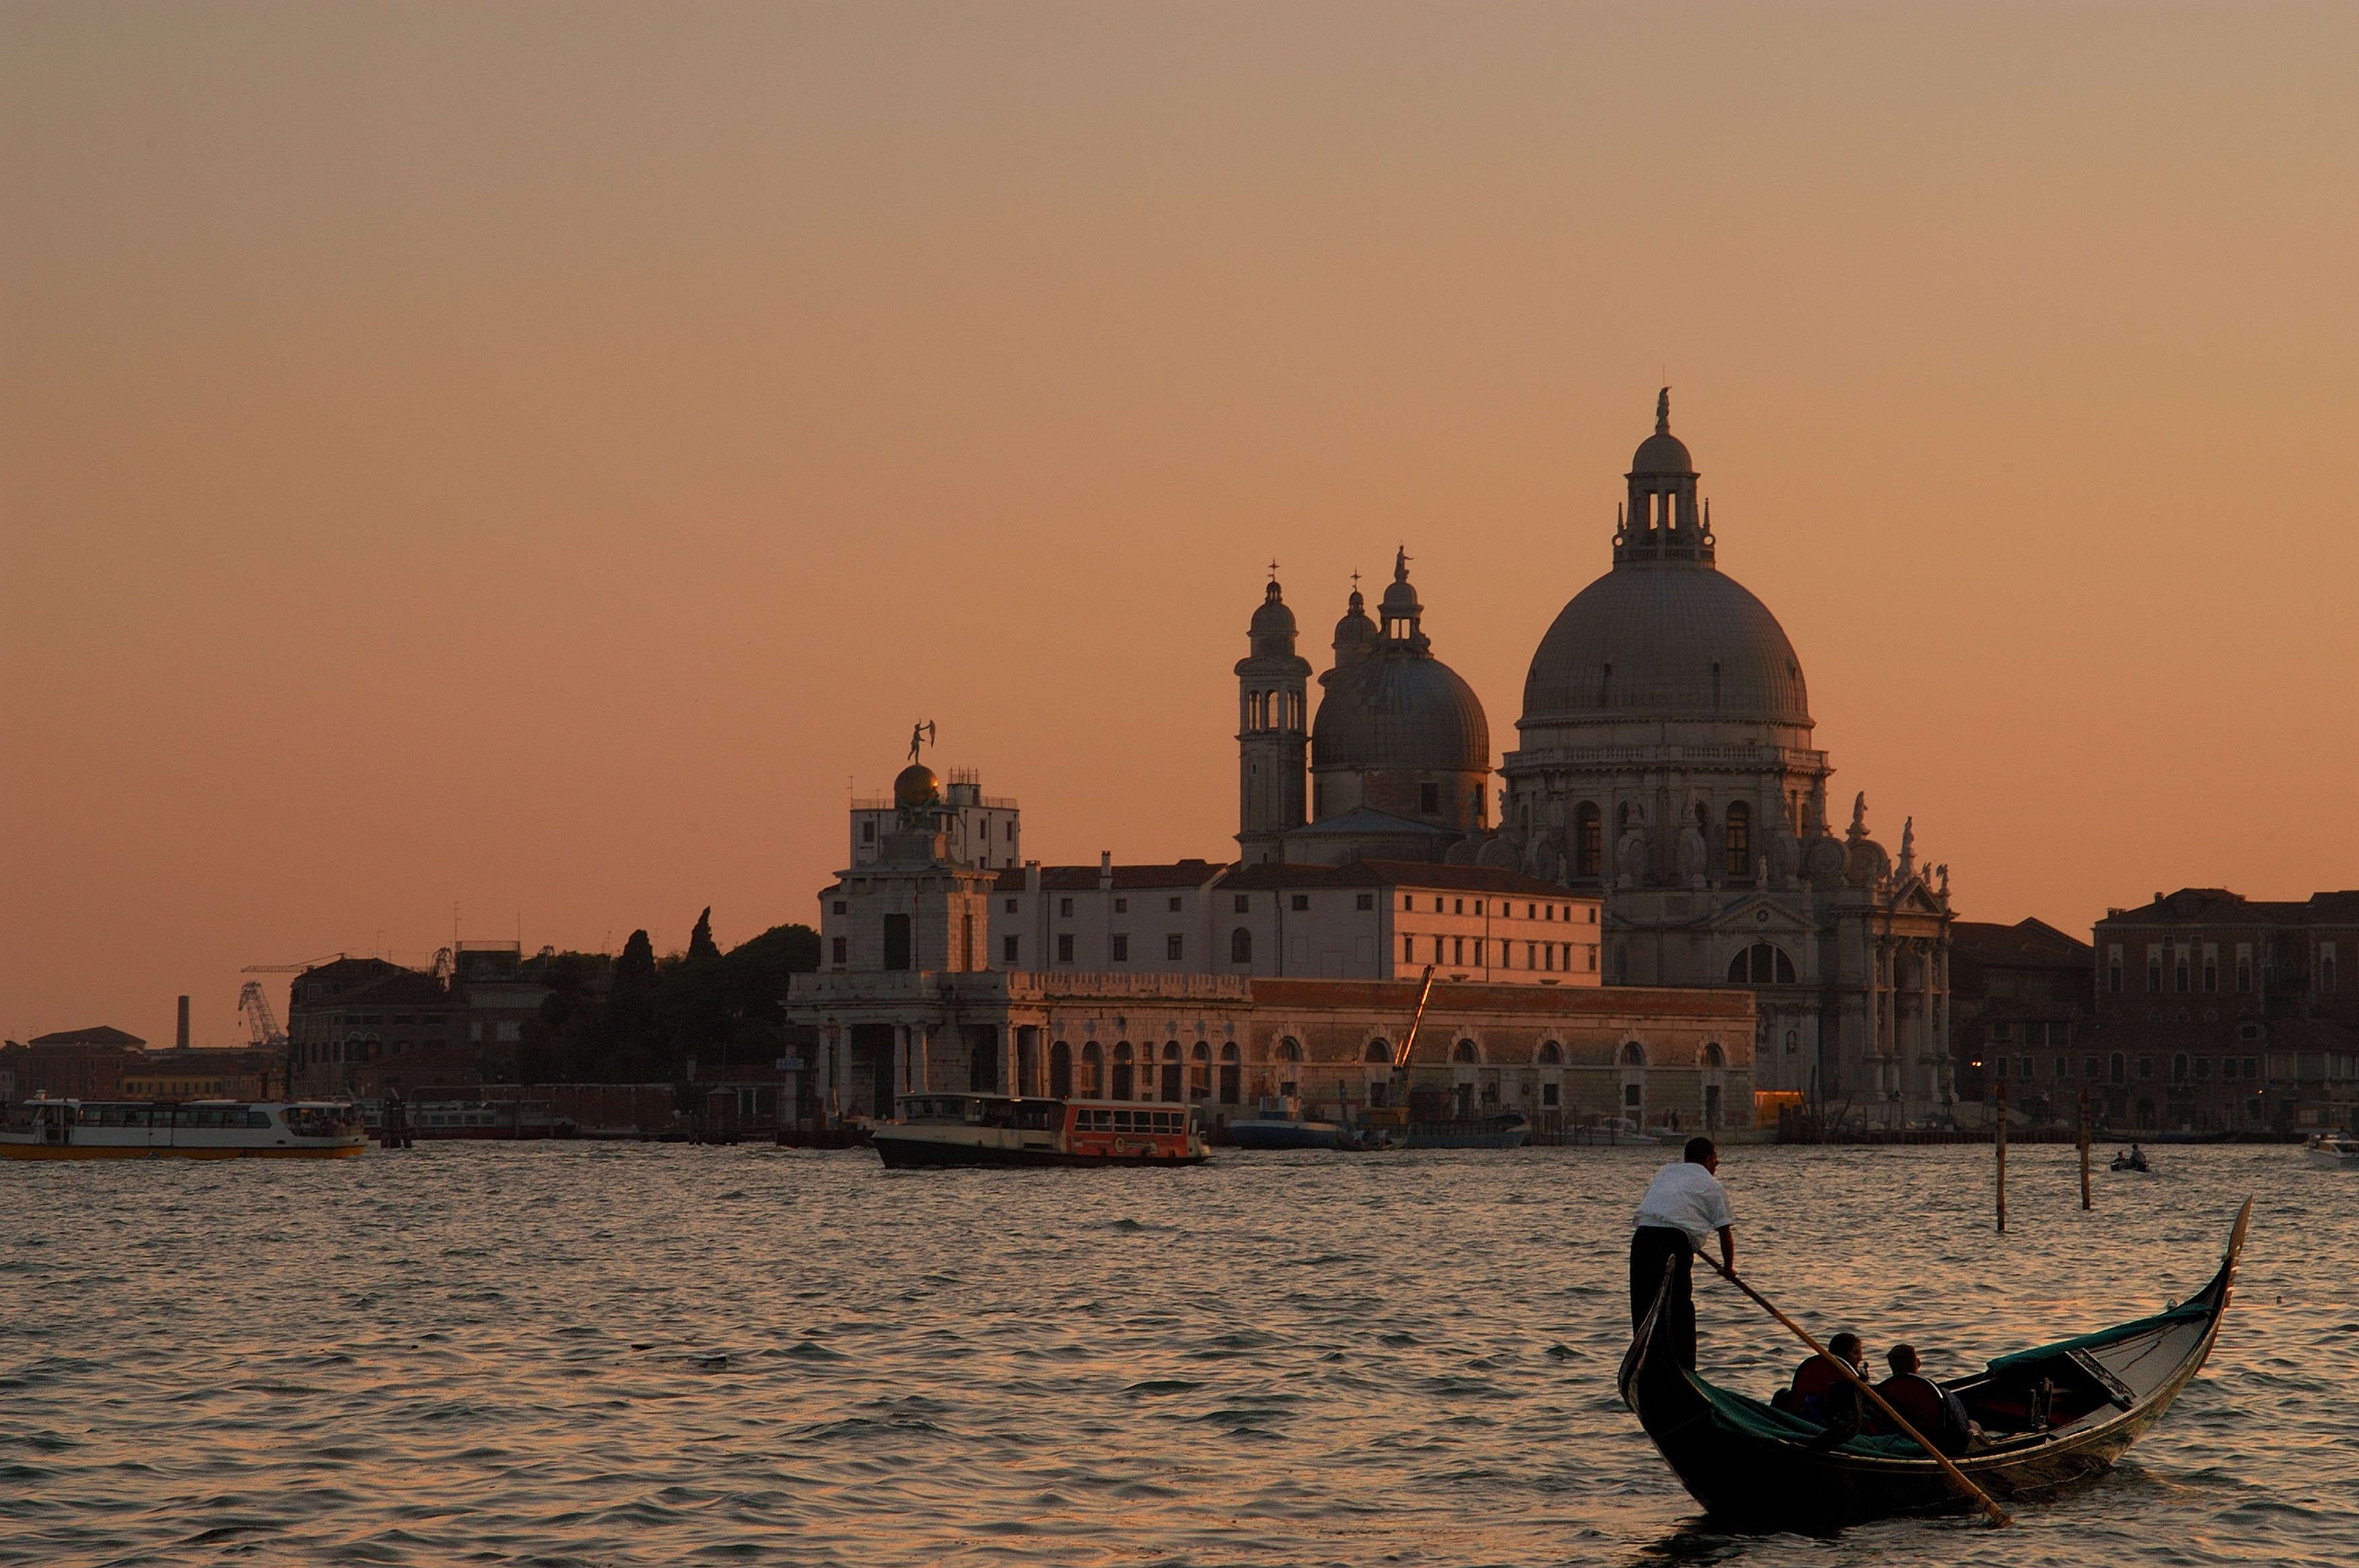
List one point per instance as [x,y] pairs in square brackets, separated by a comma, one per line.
[182,1038]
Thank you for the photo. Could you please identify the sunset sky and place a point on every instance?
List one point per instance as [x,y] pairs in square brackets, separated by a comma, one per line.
[533,458]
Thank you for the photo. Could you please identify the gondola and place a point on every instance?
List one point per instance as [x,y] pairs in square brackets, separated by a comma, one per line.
[2051,1416]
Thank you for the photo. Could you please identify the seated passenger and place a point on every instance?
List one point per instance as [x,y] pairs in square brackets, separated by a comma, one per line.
[1822,1394]
[1924,1403]
[1817,1377]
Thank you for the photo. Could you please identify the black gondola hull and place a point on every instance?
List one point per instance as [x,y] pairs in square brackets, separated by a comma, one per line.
[1745,1476]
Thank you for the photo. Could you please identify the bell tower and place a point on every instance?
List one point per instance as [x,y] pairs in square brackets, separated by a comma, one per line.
[1273,729]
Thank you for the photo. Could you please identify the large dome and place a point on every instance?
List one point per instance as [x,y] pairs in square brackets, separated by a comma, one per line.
[1671,641]
[1395,712]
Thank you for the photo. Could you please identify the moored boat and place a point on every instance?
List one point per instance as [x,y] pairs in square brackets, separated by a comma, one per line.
[506,1120]
[189,1129]
[1279,1123]
[1000,1129]
[1507,1129]
[2052,1416]
[2335,1150]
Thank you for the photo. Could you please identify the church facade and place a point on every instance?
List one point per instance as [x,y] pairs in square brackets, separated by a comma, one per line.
[1665,766]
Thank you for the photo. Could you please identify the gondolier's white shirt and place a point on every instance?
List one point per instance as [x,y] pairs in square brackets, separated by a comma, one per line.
[1685,1197]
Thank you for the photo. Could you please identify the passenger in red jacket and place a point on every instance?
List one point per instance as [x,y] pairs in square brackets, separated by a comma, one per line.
[1931,1409]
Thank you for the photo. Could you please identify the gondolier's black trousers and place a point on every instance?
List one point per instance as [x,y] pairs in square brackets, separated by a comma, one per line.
[1649,1245]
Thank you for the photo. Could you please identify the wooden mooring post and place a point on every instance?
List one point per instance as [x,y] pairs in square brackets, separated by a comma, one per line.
[1999,1143]
[2084,1148]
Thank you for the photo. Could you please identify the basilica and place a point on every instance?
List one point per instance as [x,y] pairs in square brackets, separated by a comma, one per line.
[1645,919]
[1665,766]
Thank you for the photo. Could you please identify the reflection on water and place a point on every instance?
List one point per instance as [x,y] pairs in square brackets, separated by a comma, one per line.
[638,1354]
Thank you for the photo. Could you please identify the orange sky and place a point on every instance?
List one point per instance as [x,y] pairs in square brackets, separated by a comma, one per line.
[528,456]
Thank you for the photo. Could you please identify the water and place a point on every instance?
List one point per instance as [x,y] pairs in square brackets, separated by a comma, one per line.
[621,1354]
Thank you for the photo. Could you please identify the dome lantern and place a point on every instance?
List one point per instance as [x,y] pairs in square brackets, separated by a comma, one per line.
[1661,521]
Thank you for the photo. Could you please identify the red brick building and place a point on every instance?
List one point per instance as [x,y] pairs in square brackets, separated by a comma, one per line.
[2214,1011]
[74,1064]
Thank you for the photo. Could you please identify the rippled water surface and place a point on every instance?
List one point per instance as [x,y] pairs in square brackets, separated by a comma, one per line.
[624,1353]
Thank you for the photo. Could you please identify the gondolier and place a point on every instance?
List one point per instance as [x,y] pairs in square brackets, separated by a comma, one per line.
[1684,1205]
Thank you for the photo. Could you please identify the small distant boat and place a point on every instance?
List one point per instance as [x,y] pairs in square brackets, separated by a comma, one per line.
[2335,1150]
[1279,1123]
[2054,1415]
[1507,1129]
[187,1129]
[2133,1160]
[1000,1129]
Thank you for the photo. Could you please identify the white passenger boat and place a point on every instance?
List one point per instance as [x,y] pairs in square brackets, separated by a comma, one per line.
[998,1130]
[2335,1150]
[190,1130]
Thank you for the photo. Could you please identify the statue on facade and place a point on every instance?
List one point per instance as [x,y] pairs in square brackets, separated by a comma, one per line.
[1692,854]
[1630,853]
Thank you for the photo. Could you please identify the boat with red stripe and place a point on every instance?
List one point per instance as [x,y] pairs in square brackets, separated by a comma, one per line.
[939,1129]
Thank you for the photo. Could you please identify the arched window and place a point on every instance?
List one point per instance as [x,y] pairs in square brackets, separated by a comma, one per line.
[1740,840]
[1713,1056]
[1171,1050]
[1288,1050]
[1466,1052]
[1231,1075]
[1633,1053]
[2117,1070]
[1200,1072]
[1551,1054]
[1060,1071]
[1377,1050]
[1241,946]
[1093,1070]
[2179,1067]
[1125,1076]
[1761,965]
[1588,840]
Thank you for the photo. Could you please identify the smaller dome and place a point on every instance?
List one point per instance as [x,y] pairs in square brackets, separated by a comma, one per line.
[1662,453]
[915,785]
[1355,627]
[1273,619]
[1400,711]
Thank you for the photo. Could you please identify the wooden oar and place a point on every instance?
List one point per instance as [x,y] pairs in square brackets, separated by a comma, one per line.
[1958,1478]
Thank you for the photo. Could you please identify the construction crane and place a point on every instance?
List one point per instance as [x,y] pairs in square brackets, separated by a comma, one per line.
[1397,1112]
[262,1029]
[288,969]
